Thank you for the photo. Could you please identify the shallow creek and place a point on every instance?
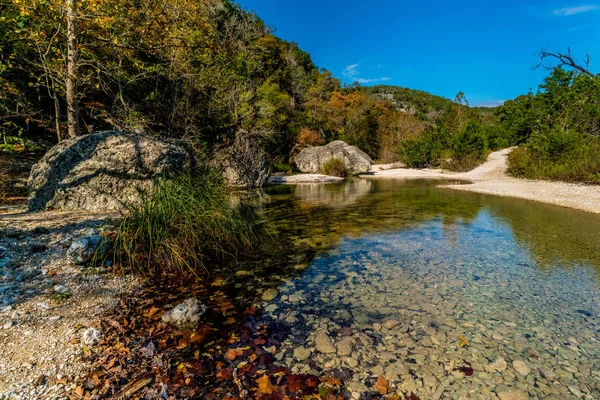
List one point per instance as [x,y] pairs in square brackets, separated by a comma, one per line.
[447,295]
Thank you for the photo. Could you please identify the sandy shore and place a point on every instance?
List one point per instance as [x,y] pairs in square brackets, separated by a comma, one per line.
[491,178]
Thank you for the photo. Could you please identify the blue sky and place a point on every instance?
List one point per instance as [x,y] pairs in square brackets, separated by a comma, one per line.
[483,48]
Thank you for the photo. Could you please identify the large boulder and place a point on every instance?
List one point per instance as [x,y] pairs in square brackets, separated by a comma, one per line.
[311,159]
[100,171]
[244,163]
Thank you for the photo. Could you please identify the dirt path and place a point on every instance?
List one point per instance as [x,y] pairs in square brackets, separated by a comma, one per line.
[491,178]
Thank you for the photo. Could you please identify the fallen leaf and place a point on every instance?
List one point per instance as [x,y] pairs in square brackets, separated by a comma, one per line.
[382,385]
[232,354]
[151,312]
[264,385]
[330,380]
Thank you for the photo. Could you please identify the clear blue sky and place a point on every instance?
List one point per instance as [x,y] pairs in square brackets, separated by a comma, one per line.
[483,48]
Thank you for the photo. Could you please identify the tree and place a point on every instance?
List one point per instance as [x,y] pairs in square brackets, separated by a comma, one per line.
[72,59]
[567,60]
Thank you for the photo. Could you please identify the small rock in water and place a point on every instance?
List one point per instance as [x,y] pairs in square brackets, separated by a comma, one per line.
[344,347]
[185,314]
[83,250]
[521,367]
[510,393]
[324,344]
[301,353]
[91,337]
[548,374]
[391,323]
[499,365]
[270,294]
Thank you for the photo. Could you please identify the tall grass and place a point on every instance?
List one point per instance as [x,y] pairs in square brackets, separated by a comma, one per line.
[180,225]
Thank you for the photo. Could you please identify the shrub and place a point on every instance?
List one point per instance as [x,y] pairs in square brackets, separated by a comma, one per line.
[425,150]
[179,225]
[558,156]
[334,167]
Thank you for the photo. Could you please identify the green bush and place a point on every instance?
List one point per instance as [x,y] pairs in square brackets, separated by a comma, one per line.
[334,167]
[558,156]
[179,225]
[424,151]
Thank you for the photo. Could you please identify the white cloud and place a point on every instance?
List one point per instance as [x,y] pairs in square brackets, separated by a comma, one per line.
[351,74]
[350,71]
[567,11]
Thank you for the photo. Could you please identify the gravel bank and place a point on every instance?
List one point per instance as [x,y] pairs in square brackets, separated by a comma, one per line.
[491,178]
[46,303]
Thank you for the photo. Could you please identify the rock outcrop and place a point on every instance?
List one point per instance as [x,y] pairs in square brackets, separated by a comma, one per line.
[311,159]
[98,172]
[244,163]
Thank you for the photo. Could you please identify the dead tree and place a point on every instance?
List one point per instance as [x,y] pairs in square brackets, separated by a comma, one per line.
[71,95]
[566,59]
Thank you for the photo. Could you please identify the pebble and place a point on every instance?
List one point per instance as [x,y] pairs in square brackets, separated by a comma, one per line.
[301,353]
[521,367]
[324,344]
[270,294]
[499,365]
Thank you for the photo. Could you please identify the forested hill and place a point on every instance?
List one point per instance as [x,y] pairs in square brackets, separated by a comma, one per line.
[203,69]
[419,101]
[199,69]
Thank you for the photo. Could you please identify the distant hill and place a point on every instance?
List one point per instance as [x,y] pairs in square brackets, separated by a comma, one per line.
[420,102]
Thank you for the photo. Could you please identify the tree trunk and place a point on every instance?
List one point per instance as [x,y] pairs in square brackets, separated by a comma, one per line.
[72,102]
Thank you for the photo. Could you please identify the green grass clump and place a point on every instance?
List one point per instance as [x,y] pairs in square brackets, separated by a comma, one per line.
[334,167]
[181,224]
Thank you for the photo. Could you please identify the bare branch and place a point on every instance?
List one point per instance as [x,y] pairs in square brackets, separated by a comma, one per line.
[566,59]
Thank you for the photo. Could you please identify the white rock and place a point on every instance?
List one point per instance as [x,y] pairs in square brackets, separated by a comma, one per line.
[185,314]
[91,336]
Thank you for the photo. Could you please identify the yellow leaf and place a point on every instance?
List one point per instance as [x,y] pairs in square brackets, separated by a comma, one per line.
[264,385]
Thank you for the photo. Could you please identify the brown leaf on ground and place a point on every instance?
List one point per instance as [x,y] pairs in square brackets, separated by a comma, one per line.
[264,385]
[382,385]
[330,380]
[232,354]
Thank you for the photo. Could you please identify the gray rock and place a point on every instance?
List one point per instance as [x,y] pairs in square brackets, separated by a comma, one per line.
[82,251]
[61,289]
[243,164]
[301,353]
[91,337]
[28,274]
[345,347]
[311,159]
[98,172]
[324,344]
[186,314]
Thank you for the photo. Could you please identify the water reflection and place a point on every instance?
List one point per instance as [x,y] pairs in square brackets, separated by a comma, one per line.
[321,215]
[333,195]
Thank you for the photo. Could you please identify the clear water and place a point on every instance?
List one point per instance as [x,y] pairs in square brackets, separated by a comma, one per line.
[433,289]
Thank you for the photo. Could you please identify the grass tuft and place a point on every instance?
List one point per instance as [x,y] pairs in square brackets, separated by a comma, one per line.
[334,167]
[180,225]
